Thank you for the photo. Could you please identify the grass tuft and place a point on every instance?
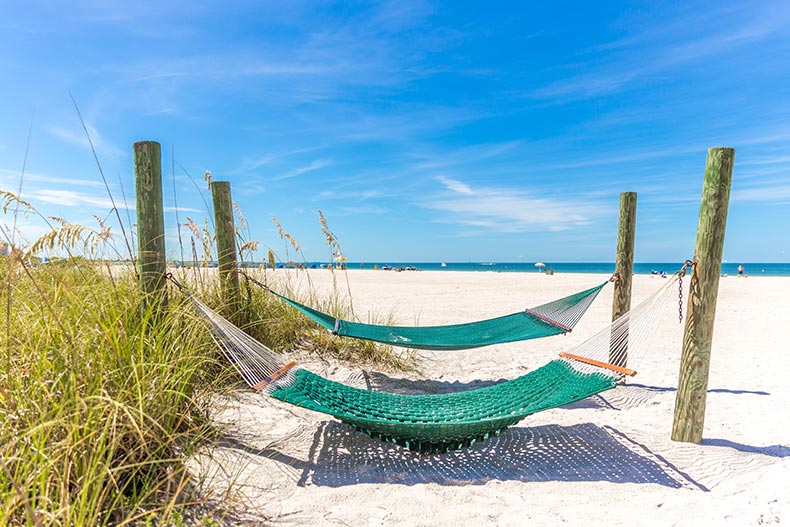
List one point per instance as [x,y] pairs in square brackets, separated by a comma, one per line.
[98,406]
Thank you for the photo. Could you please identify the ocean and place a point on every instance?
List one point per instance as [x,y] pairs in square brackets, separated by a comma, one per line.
[751,269]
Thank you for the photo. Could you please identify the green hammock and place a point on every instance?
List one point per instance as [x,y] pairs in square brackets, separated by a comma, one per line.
[437,423]
[440,422]
[553,318]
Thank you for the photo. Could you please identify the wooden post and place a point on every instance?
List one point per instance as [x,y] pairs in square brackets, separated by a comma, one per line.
[624,267]
[703,291]
[226,244]
[150,221]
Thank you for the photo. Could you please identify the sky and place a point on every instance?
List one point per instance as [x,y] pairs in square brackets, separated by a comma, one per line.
[424,131]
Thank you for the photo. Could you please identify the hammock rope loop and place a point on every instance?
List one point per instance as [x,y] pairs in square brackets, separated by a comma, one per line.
[169,276]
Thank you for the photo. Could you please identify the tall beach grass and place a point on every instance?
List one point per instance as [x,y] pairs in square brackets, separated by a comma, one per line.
[102,401]
[98,404]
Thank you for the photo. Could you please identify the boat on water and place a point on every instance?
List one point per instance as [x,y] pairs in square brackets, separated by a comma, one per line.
[488,263]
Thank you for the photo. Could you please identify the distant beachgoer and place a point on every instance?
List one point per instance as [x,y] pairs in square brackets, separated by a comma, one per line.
[740,270]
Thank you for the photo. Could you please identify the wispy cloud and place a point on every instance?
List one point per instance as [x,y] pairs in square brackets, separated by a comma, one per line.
[315,165]
[172,209]
[70,198]
[10,178]
[644,55]
[77,137]
[455,186]
[250,163]
[510,210]
[362,209]
[465,156]
[772,192]
[361,195]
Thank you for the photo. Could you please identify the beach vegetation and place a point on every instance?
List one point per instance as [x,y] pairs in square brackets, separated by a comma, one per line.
[102,399]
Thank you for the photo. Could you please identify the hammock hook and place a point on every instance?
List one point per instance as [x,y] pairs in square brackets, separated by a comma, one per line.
[169,276]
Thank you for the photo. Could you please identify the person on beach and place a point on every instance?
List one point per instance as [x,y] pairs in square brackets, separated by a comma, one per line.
[740,270]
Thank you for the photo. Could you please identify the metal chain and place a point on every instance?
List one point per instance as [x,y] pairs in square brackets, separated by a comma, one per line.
[681,274]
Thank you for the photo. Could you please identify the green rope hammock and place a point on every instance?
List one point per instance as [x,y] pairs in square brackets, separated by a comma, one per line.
[441,422]
[553,318]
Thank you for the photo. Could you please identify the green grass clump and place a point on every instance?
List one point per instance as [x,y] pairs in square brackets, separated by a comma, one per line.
[98,404]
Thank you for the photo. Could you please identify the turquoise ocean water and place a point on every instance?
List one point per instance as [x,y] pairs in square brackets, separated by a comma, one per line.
[751,269]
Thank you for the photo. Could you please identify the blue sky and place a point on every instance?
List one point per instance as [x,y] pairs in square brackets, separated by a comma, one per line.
[424,131]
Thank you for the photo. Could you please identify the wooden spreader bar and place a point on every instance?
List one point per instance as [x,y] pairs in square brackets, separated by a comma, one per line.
[279,373]
[618,369]
[547,319]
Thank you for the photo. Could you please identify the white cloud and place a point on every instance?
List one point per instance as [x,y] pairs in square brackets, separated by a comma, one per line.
[173,209]
[315,165]
[664,46]
[69,198]
[455,186]
[363,209]
[775,193]
[508,210]
[10,178]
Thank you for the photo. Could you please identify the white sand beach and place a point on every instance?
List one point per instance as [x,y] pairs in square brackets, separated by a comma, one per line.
[607,460]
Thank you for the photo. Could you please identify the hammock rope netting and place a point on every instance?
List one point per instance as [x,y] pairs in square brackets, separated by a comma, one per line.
[441,422]
[553,318]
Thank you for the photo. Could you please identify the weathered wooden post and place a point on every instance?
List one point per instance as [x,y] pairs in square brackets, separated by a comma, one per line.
[703,291]
[624,269]
[150,221]
[226,244]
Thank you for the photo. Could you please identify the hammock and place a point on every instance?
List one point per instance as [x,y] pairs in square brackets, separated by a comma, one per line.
[554,318]
[441,422]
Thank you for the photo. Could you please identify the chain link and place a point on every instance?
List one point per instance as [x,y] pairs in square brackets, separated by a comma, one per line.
[681,274]
[680,300]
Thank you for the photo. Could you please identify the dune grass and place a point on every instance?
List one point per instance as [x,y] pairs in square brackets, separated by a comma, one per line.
[98,404]
[101,401]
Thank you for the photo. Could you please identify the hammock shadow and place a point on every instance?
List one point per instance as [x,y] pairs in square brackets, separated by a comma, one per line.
[778,451]
[340,457]
[712,390]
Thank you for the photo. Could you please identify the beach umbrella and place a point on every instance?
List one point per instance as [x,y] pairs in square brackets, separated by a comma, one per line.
[540,264]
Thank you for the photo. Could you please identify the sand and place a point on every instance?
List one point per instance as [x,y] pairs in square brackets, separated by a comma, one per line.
[607,459]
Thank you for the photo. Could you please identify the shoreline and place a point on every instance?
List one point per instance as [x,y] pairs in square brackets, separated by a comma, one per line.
[644,268]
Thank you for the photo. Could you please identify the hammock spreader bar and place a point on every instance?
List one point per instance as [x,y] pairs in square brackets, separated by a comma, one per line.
[553,318]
